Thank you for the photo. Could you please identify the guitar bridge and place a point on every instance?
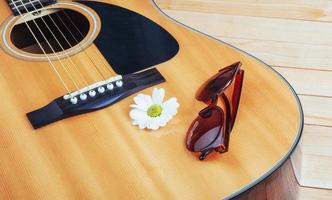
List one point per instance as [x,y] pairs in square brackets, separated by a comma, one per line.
[94,97]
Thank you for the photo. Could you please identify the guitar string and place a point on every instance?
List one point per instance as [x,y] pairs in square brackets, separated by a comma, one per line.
[10,3]
[43,50]
[48,43]
[79,31]
[76,40]
[72,35]
[62,48]
[89,121]
[60,45]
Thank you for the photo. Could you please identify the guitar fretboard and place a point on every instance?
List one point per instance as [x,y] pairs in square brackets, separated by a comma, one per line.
[20,7]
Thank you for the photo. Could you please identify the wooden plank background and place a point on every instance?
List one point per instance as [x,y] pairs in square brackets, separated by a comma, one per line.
[295,37]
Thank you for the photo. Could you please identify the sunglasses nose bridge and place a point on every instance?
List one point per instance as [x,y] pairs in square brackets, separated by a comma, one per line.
[205,113]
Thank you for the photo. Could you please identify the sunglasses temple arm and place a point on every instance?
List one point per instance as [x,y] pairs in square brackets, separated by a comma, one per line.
[231,115]
[236,95]
[229,125]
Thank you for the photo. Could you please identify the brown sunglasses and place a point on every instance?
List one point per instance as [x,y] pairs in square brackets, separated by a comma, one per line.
[211,129]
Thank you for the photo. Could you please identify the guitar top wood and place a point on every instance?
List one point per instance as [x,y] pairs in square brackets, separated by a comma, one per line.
[101,155]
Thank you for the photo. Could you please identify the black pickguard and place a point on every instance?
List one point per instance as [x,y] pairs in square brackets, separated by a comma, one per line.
[129,41]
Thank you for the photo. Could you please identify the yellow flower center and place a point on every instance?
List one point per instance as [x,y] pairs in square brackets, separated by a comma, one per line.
[154,110]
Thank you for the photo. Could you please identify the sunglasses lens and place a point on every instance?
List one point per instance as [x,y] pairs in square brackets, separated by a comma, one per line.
[206,130]
[218,83]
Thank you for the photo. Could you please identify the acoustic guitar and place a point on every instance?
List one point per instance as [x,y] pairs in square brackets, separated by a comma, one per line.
[69,71]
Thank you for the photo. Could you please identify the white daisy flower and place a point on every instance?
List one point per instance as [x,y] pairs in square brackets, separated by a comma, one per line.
[151,112]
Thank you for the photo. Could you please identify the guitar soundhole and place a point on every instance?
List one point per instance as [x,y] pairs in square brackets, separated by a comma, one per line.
[57,30]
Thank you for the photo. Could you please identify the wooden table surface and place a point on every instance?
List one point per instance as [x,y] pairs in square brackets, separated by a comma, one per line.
[295,37]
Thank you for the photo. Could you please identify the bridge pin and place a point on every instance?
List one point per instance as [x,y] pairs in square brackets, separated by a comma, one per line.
[101,89]
[83,96]
[92,93]
[119,83]
[110,86]
[73,100]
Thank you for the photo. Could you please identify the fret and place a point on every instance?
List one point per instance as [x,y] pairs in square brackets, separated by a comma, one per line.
[30,5]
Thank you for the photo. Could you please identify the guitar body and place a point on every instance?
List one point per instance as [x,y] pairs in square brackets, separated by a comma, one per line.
[100,155]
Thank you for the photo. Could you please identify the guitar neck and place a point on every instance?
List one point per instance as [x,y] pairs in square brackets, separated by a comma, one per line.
[20,7]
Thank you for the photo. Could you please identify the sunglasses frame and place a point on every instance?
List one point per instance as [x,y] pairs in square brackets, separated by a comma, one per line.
[227,117]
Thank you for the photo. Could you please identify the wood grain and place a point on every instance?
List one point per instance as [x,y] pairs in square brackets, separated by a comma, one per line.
[286,54]
[256,27]
[101,155]
[317,83]
[291,39]
[295,9]
[283,185]
[313,157]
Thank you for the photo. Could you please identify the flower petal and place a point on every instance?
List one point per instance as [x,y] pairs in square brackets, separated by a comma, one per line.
[158,95]
[170,106]
[142,125]
[162,121]
[137,114]
[139,107]
[143,101]
[152,125]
